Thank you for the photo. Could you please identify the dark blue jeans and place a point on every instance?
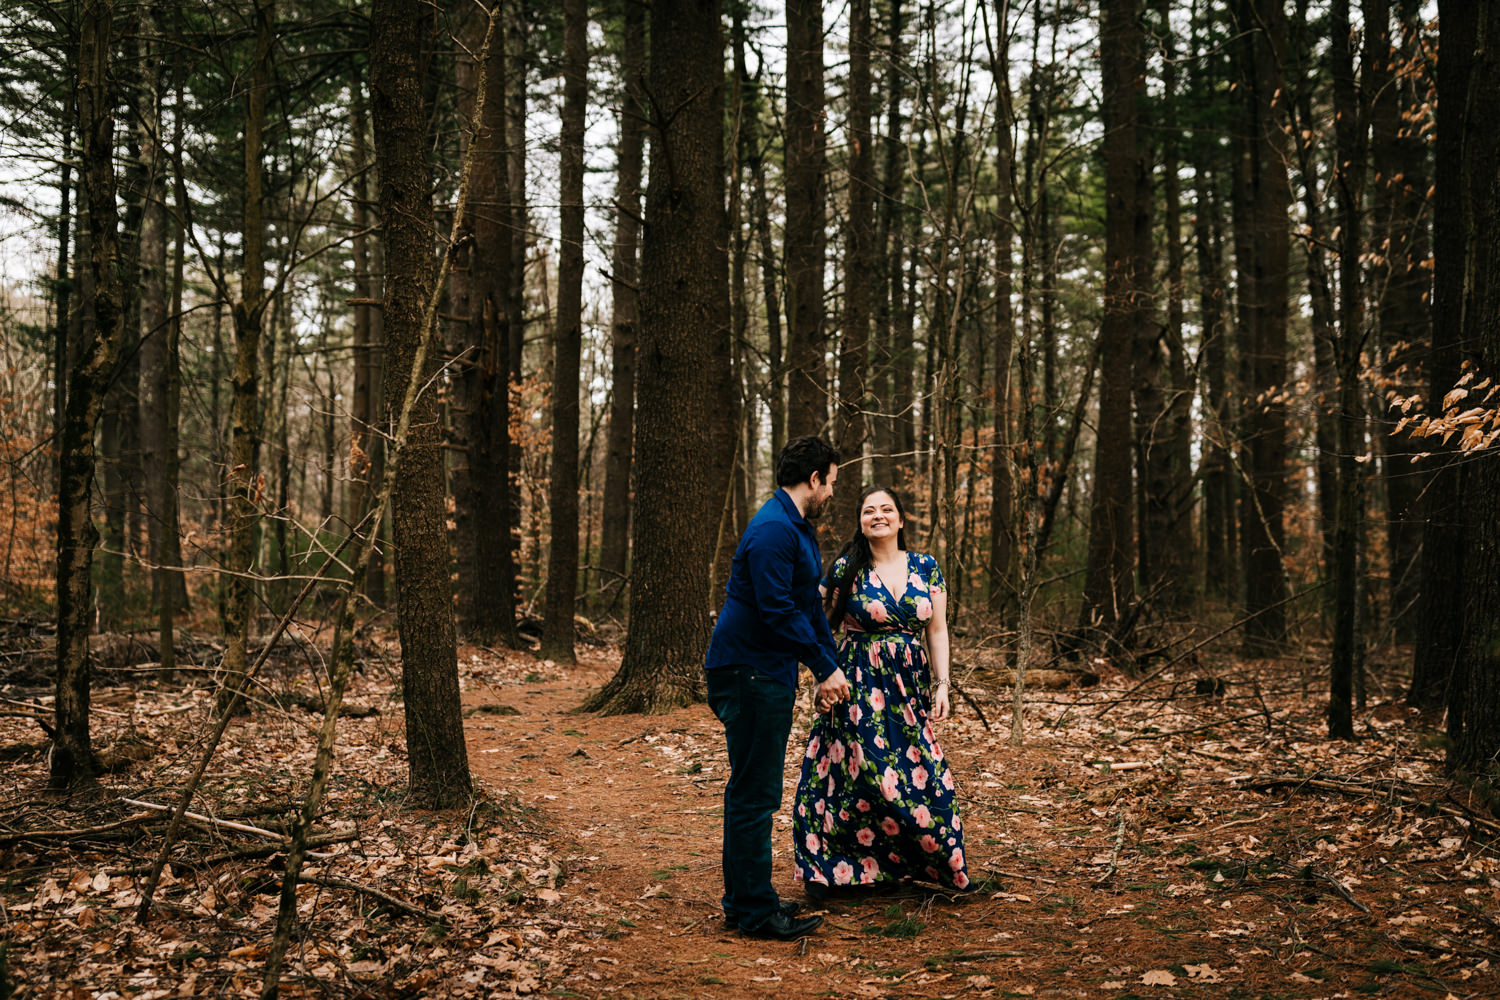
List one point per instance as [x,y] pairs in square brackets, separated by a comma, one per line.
[756,711]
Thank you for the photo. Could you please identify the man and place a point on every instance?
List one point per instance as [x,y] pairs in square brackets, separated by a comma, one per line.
[772,620]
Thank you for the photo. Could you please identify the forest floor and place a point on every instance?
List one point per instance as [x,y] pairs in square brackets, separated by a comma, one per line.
[1150,842]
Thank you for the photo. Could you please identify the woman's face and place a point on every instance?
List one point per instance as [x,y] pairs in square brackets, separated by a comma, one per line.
[878,516]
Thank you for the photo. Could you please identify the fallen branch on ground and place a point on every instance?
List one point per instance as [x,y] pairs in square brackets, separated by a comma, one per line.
[225,824]
[374,893]
[1363,788]
[1195,729]
[82,833]
[1114,857]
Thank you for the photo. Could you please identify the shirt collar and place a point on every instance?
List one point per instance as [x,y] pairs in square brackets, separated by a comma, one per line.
[790,506]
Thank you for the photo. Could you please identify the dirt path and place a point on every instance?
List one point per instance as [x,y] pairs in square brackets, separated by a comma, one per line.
[1157,879]
[638,800]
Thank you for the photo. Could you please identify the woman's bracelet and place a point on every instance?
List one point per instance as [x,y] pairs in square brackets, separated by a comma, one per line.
[942,683]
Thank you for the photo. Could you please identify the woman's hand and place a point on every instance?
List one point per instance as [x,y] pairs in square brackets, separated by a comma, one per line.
[940,705]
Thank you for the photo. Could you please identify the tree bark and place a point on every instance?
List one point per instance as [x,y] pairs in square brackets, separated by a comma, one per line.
[1263,23]
[367,443]
[854,398]
[1351,146]
[624,291]
[805,240]
[1474,694]
[1109,588]
[401,32]
[684,367]
[1003,590]
[562,554]
[72,760]
[888,253]
[158,357]
[1400,157]
[245,485]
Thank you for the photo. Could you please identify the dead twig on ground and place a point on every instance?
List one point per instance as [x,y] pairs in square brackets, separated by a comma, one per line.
[1363,788]
[1194,729]
[367,890]
[81,833]
[202,820]
[1114,857]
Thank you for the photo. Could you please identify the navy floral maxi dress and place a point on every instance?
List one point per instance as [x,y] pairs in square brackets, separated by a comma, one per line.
[876,799]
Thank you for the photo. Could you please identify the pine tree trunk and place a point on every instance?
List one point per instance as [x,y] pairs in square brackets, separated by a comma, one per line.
[805,239]
[1263,23]
[481,405]
[562,554]
[1474,694]
[1003,589]
[854,398]
[72,761]
[367,444]
[615,542]
[245,486]
[1351,145]
[1402,213]
[684,368]
[437,758]
[1109,589]
[157,355]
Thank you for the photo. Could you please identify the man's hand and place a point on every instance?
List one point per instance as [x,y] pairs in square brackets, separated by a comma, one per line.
[832,691]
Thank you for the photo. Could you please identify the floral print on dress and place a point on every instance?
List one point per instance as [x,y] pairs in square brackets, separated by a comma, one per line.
[876,800]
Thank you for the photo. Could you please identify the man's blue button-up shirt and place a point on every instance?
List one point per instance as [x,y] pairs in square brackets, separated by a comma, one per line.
[773,614]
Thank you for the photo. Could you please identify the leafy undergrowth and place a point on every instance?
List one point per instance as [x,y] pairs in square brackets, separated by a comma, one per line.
[1146,840]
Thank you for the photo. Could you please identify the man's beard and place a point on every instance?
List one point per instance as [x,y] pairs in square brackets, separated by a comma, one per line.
[815,508]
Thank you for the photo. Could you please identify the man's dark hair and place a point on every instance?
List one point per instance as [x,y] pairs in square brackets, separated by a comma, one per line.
[803,456]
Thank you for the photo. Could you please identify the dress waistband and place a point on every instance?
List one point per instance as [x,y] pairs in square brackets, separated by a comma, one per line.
[900,633]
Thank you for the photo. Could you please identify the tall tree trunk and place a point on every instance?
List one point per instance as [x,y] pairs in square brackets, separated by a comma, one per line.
[859,259]
[400,33]
[1474,694]
[805,239]
[1109,588]
[1403,215]
[1263,23]
[1169,485]
[62,282]
[245,485]
[615,543]
[518,67]
[1351,145]
[1319,291]
[562,556]
[72,760]
[366,443]
[1002,590]
[888,254]
[482,395]
[1218,499]
[684,367]
[157,356]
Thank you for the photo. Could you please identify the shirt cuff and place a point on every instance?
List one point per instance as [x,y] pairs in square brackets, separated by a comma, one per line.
[823,668]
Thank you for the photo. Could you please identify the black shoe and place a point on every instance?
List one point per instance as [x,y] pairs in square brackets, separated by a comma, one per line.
[779,927]
[817,892]
[788,908]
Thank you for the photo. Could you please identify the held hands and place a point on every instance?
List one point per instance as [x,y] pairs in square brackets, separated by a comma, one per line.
[830,692]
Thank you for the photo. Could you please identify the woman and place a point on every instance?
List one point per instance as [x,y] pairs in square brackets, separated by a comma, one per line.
[876,801]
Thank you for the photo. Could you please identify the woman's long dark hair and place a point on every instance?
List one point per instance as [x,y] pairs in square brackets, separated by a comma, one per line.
[860,558]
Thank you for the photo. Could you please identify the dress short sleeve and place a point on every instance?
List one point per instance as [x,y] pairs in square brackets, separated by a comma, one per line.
[839,568]
[931,573]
